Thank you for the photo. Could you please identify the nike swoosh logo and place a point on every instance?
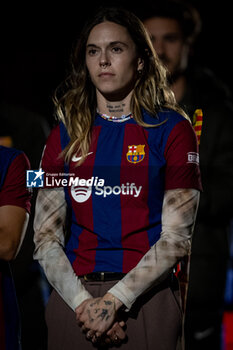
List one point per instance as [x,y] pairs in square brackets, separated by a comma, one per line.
[76,159]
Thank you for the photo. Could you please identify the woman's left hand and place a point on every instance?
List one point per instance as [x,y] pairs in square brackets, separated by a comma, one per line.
[96,316]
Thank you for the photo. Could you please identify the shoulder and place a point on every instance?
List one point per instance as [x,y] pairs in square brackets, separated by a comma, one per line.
[53,142]
[58,134]
[166,123]
[13,179]
[55,132]
[56,142]
[12,157]
[21,161]
[16,171]
[166,116]
[8,152]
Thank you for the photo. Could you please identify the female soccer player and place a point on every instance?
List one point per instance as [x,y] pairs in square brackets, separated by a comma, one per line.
[122,217]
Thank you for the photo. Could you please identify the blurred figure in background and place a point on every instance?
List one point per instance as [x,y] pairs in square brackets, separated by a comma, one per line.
[27,130]
[14,215]
[174,27]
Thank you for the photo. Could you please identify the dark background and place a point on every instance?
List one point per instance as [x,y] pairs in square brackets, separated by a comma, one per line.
[37,38]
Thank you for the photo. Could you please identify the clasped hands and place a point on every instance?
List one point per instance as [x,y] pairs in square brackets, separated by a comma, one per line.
[97,317]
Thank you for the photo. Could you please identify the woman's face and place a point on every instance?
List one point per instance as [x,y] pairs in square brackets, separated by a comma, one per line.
[112,60]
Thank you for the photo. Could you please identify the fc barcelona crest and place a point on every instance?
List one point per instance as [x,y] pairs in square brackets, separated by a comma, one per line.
[135,153]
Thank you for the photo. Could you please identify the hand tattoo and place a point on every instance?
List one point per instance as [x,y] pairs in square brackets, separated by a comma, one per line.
[104,315]
[89,316]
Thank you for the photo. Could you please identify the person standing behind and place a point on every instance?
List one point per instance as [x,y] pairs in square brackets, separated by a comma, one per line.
[173,27]
[27,274]
[14,215]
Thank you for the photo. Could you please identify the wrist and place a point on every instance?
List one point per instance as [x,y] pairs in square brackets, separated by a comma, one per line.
[117,303]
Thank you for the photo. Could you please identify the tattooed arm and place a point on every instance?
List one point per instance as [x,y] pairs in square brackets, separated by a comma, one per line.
[50,215]
[178,218]
[49,240]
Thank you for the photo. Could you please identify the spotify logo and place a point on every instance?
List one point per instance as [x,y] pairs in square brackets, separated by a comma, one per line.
[81,193]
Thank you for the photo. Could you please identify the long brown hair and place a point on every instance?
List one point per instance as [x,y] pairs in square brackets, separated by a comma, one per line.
[75,98]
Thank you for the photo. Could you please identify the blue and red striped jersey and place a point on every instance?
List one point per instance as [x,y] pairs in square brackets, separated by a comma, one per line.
[115,207]
[13,191]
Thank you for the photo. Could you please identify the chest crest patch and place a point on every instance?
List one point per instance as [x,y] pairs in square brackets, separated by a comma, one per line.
[135,154]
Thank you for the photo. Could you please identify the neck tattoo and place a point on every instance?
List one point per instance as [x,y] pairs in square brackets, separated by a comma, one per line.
[115,112]
[115,108]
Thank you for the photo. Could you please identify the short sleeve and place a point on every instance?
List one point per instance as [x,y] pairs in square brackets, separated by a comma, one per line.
[52,162]
[182,158]
[14,190]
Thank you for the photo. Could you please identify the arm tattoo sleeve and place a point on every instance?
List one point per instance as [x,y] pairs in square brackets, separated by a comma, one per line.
[178,218]
[50,215]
